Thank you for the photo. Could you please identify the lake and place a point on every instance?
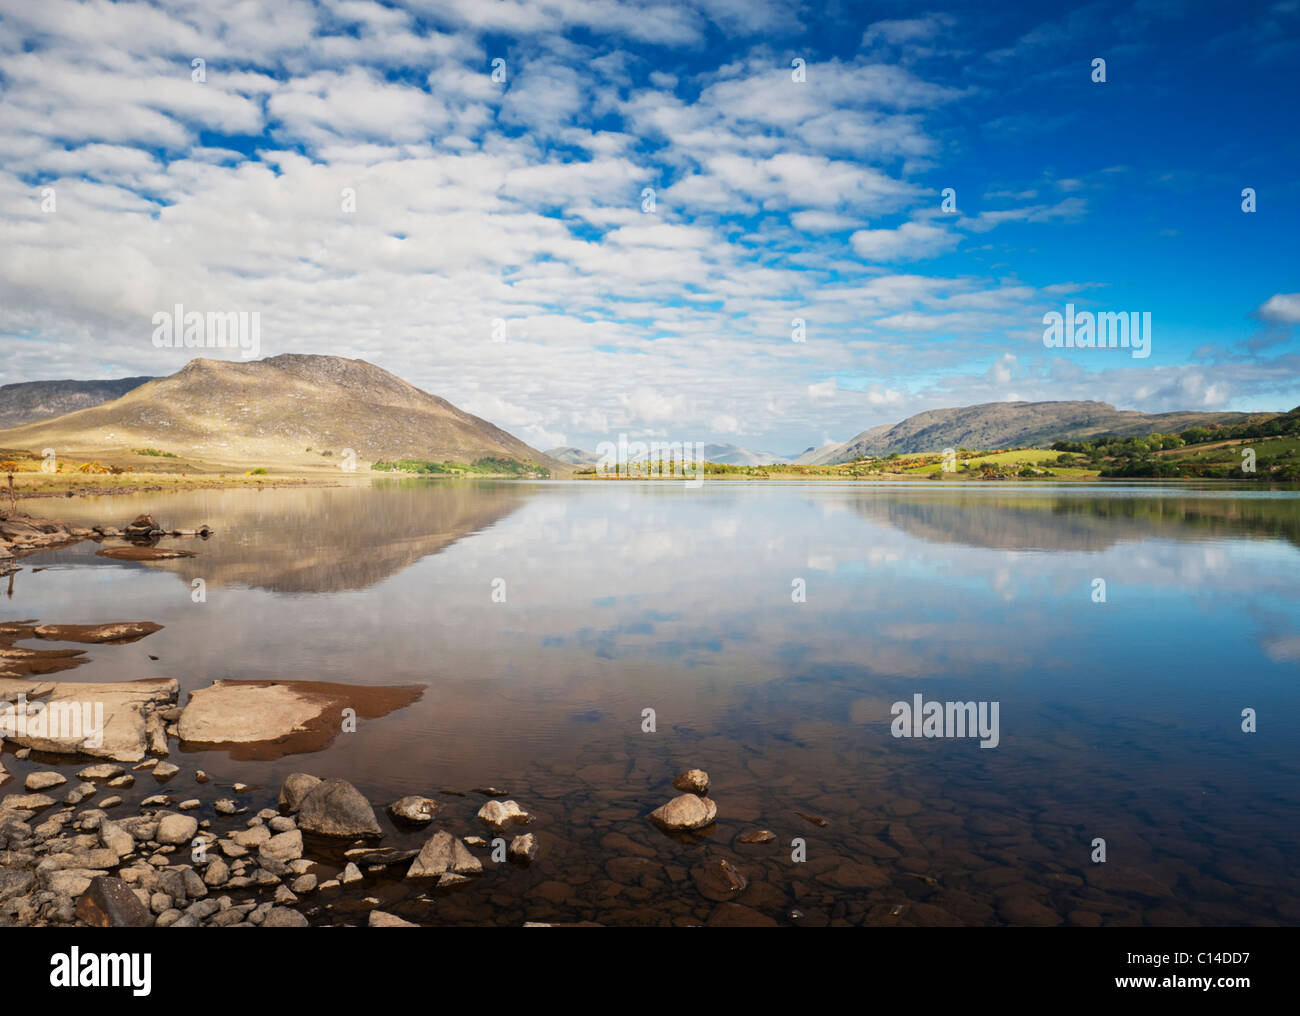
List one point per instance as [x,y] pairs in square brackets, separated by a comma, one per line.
[770,626]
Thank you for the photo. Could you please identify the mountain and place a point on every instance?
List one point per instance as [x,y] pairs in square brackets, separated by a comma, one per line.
[291,411]
[574,456]
[725,454]
[1011,425]
[731,455]
[29,401]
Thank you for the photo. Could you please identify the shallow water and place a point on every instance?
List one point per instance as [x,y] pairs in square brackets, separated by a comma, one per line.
[1118,720]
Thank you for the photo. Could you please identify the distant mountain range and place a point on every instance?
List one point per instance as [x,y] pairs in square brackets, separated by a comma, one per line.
[28,401]
[1011,425]
[297,409]
[291,410]
[727,454]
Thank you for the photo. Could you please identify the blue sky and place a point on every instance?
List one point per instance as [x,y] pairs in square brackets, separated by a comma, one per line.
[522,201]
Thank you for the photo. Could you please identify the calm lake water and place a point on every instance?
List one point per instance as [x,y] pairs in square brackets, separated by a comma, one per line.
[1119,720]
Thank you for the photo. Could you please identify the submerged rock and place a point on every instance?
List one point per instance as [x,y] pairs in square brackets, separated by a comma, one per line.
[523,849]
[719,880]
[498,815]
[693,781]
[685,812]
[414,810]
[379,919]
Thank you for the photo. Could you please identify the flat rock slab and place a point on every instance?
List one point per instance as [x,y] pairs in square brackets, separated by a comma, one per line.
[145,553]
[270,719]
[73,711]
[118,631]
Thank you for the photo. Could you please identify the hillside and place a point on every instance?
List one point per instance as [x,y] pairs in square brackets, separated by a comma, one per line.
[29,401]
[290,411]
[1011,425]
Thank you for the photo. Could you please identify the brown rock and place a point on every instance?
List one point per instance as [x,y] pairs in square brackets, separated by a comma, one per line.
[110,903]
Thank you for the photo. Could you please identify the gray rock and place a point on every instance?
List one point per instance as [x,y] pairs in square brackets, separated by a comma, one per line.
[336,808]
[296,787]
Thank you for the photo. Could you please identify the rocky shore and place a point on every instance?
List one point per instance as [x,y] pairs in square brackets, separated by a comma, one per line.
[22,534]
[75,861]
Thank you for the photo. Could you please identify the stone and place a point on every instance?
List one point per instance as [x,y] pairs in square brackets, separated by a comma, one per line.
[283,917]
[498,815]
[190,805]
[44,781]
[442,854]
[176,829]
[217,873]
[225,807]
[379,919]
[25,802]
[283,847]
[126,704]
[303,884]
[756,836]
[109,903]
[685,812]
[523,849]
[115,838]
[351,874]
[165,770]
[120,632]
[693,781]
[336,808]
[296,787]
[414,810]
[719,880]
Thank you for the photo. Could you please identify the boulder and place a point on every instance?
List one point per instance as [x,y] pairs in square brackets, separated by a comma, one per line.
[685,812]
[176,829]
[693,781]
[296,787]
[444,854]
[336,808]
[109,903]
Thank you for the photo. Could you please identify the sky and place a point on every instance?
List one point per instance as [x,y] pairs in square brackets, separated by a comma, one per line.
[718,220]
